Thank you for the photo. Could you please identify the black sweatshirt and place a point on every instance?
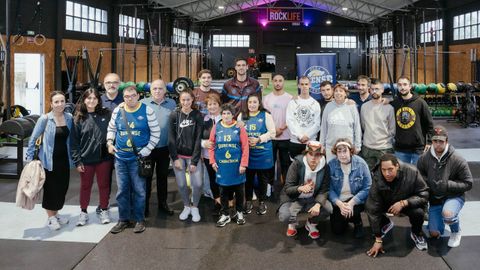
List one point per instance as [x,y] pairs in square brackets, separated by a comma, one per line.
[89,138]
[414,124]
[184,135]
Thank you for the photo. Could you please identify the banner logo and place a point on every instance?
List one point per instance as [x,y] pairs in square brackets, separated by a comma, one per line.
[317,75]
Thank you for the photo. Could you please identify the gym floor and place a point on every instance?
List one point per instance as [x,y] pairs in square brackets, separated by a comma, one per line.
[26,243]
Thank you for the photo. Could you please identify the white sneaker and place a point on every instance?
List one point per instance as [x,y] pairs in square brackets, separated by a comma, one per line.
[62,220]
[82,219]
[52,223]
[454,240]
[195,214]
[185,213]
[104,217]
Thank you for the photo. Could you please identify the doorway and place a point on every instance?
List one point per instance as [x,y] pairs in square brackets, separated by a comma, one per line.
[29,89]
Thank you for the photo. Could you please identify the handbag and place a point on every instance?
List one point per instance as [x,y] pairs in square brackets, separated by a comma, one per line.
[145,166]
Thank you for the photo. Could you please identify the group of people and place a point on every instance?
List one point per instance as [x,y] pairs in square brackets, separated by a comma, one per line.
[338,156]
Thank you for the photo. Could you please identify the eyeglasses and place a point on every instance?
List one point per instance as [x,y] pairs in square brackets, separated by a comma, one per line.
[111,83]
[129,96]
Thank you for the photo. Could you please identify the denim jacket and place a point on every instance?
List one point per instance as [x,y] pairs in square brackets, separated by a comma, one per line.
[360,180]
[47,123]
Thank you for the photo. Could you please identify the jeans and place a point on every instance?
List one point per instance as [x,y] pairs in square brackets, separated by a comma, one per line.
[437,218]
[196,182]
[289,211]
[131,191]
[408,157]
[212,178]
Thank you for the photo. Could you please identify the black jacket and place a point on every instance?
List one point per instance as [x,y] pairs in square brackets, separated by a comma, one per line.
[449,177]
[295,178]
[408,185]
[184,135]
[88,139]
[414,124]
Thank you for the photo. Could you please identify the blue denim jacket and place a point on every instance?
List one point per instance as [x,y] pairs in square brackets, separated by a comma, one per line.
[360,180]
[47,123]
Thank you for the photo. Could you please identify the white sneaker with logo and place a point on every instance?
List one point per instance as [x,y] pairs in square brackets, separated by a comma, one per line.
[82,219]
[52,223]
[62,220]
[104,217]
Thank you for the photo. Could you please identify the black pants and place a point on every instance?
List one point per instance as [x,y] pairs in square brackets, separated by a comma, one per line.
[212,177]
[226,192]
[264,178]
[339,223]
[415,216]
[281,146]
[161,160]
[295,149]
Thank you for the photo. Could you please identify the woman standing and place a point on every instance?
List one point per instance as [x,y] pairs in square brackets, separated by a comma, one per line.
[184,146]
[261,130]
[54,154]
[229,158]
[89,152]
[340,120]
[350,181]
[211,119]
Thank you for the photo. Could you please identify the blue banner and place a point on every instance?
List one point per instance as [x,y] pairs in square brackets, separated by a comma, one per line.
[318,67]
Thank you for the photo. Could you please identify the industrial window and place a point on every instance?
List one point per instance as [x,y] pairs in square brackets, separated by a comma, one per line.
[466,26]
[194,39]
[373,45]
[131,28]
[83,18]
[344,42]
[430,30]
[387,39]
[179,36]
[231,41]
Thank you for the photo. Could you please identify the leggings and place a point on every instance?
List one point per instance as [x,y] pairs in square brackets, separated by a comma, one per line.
[195,182]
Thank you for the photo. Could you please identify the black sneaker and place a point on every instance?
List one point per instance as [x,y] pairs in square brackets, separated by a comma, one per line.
[248,207]
[358,231]
[262,209]
[419,241]
[139,227]
[121,225]
[165,209]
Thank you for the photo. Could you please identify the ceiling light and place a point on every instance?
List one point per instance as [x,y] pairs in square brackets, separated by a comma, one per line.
[221,7]
[240,21]
[298,47]
[284,29]
[344,8]
[328,22]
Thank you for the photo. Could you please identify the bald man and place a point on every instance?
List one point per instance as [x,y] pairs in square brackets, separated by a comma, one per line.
[162,106]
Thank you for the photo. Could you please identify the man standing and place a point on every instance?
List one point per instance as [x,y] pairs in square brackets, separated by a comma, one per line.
[326,88]
[303,118]
[363,84]
[277,103]
[397,188]
[448,177]
[162,107]
[236,90]
[378,125]
[143,132]
[414,124]
[111,99]
[201,92]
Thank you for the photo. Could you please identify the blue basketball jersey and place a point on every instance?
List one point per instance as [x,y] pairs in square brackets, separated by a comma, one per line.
[261,155]
[228,155]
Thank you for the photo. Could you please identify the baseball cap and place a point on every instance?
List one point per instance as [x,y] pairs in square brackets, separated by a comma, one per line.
[440,133]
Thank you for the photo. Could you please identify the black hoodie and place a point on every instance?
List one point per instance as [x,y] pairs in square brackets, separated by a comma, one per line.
[184,134]
[414,124]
